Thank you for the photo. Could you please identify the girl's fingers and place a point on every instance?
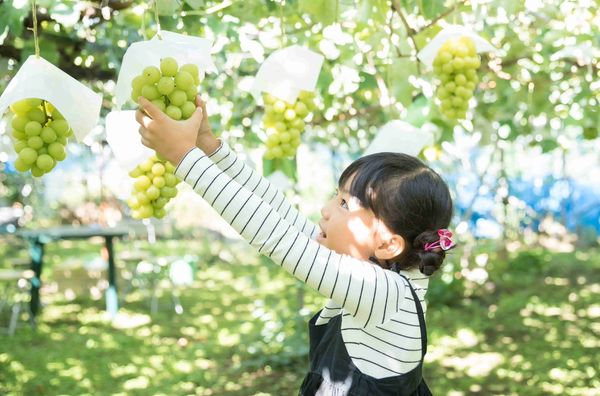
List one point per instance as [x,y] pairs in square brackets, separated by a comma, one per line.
[153,111]
[142,119]
[146,142]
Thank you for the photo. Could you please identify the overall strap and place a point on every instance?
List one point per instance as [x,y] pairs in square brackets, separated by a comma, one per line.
[421,318]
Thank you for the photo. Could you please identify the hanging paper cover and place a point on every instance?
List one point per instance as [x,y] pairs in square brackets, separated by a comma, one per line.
[429,52]
[286,72]
[399,137]
[37,78]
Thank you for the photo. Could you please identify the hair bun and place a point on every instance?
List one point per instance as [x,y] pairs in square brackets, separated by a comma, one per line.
[430,261]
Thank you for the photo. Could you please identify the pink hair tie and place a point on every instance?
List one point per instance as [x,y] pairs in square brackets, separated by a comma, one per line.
[445,241]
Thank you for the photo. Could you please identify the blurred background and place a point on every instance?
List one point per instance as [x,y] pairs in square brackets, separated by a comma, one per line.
[513,311]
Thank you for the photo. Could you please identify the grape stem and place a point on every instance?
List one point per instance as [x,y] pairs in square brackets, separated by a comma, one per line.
[409,30]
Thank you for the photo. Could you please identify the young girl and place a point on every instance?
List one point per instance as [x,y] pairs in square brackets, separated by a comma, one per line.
[378,241]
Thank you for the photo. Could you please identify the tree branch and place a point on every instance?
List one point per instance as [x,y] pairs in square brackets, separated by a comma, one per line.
[409,30]
[441,16]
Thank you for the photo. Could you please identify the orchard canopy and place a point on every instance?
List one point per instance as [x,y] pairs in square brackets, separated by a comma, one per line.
[541,88]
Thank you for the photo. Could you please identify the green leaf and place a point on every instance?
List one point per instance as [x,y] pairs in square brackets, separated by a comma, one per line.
[417,111]
[431,8]
[397,76]
[11,19]
[324,11]
[548,145]
[375,10]
[167,7]
[48,51]
[196,4]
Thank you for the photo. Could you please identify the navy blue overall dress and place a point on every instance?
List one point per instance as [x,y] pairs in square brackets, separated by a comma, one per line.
[328,355]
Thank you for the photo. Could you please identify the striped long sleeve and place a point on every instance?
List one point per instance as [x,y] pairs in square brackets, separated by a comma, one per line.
[238,170]
[368,293]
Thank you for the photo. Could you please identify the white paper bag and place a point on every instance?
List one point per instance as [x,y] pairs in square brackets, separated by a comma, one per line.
[185,49]
[429,52]
[38,78]
[286,72]
[399,137]
[124,140]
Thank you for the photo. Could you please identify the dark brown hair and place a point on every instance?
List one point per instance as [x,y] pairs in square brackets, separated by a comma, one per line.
[409,197]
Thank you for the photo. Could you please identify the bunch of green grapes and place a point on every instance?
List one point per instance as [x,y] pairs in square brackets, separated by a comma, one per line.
[284,123]
[41,135]
[155,184]
[456,65]
[171,88]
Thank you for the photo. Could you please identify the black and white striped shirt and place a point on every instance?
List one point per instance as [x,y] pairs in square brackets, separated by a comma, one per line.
[380,326]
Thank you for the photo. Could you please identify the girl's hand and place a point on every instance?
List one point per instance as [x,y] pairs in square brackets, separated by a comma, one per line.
[205,141]
[171,139]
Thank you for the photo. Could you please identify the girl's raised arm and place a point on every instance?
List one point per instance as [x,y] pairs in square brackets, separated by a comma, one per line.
[226,159]
[353,284]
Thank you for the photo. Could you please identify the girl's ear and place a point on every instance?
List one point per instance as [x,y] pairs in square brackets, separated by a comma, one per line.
[392,245]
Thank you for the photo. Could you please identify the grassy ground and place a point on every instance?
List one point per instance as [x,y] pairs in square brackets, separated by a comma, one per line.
[533,330]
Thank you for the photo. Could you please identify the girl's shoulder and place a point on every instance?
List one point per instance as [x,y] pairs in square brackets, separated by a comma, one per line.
[417,279]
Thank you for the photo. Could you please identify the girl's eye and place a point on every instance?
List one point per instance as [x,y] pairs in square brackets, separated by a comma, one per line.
[344,203]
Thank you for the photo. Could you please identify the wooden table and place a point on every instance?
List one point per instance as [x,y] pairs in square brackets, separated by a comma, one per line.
[40,237]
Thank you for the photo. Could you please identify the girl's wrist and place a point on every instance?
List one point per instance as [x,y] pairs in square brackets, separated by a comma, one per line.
[208,143]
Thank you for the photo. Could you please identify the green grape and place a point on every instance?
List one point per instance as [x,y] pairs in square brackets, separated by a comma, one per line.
[159,181]
[48,135]
[160,213]
[193,71]
[138,82]
[33,128]
[177,97]
[19,135]
[151,75]
[150,92]
[28,155]
[191,93]
[36,126]
[170,179]
[136,172]
[455,66]
[168,67]
[56,115]
[142,183]
[146,211]
[133,202]
[154,187]
[19,145]
[174,112]
[61,127]
[21,107]
[160,104]
[187,109]
[35,142]
[36,171]
[165,85]
[146,165]
[37,114]
[57,151]
[284,122]
[21,166]
[19,122]
[142,197]
[45,162]
[168,192]
[183,80]
[153,192]
[158,169]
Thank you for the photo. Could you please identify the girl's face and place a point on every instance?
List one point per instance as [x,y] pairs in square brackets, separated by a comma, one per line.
[347,228]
